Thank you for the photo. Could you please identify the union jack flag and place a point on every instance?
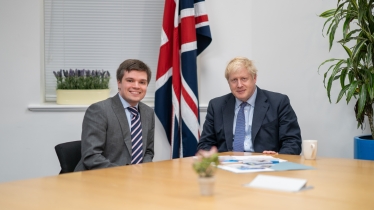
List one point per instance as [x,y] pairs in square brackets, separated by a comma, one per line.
[185,34]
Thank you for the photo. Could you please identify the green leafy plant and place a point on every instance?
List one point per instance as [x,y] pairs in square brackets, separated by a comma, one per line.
[206,162]
[355,72]
[82,79]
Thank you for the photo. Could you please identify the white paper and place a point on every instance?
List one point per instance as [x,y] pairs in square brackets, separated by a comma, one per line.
[239,159]
[243,168]
[277,183]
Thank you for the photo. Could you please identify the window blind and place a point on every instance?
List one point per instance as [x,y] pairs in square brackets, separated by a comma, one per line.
[99,35]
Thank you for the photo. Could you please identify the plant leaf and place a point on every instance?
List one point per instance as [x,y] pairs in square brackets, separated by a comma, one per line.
[351,90]
[368,35]
[347,21]
[352,32]
[371,88]
[357,48]
[362,99]
[348,37]
[325,74]
[343,76]
[349,52]
[369,55]
[342,92]
[328,20]
[332,35]
[329,60]
[354,4]
[327,13]
[332,78]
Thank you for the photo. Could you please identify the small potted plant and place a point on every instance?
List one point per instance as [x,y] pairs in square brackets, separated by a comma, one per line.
[205,166]
[82,87]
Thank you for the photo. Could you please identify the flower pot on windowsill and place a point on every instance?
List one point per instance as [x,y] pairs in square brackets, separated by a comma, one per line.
[81,87]
[81,97]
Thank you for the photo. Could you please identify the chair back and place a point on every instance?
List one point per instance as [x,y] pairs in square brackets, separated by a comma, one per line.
[69,154]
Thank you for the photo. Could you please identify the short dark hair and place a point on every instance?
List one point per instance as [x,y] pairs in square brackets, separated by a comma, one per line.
[133,64]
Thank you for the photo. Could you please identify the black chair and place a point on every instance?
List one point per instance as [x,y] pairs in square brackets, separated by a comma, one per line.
[68,154]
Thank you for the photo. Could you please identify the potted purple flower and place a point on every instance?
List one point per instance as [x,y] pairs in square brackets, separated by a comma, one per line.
[82,87]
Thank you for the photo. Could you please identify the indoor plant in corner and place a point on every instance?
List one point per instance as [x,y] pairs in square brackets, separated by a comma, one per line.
[81,87]
[355,73]
[205,166]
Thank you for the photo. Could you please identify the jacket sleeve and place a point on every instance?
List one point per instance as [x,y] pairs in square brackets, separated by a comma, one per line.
[289,130]
[149,150]
[94,129]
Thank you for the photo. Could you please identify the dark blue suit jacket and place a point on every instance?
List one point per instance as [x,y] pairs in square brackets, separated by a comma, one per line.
[274,125]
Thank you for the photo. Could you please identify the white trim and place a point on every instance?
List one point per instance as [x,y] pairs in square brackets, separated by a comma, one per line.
[188,46]
[200,9]
[52,107]
[164,78]
[164,37]
[189,91]
[189,119]
[202,24]
[187,12]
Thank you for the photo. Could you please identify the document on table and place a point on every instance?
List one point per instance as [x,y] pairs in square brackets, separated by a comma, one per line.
[257,163]
[252,158]
[278,183]
[244,168]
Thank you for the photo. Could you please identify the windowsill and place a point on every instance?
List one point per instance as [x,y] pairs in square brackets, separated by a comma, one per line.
[53,107]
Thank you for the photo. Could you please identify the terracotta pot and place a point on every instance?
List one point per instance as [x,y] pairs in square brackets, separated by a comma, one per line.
[206,185]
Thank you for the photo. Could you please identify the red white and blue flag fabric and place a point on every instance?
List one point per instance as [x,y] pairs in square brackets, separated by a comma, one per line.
[185,34]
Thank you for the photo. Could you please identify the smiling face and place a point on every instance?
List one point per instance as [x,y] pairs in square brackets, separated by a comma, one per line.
[242,83]
[133,86]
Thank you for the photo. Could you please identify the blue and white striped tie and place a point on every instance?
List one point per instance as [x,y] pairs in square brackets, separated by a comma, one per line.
[238,145]
[136,137]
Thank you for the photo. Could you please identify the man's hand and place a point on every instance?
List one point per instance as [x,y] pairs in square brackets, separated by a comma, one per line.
[269,152]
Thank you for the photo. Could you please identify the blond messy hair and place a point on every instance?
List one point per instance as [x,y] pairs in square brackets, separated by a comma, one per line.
[236,63]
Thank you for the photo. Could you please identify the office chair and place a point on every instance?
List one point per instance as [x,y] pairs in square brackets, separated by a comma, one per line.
[68,154]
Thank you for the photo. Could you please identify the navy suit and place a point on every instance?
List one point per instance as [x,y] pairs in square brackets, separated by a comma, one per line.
[274,125]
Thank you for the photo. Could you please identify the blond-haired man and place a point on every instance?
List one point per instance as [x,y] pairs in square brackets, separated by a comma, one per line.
[250,119]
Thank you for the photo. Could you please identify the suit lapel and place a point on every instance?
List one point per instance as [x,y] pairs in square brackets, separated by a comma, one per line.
[145,124]
[228,113]
[119,111]
[261,107]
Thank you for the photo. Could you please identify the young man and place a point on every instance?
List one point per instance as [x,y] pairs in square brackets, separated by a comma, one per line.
[120,130]
[250,119]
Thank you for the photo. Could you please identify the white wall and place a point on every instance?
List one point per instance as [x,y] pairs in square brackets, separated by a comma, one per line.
[282,37]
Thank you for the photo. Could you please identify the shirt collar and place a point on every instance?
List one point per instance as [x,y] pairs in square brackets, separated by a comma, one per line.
[251,101]
[125,103]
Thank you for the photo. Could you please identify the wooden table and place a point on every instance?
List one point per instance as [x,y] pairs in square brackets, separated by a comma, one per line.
[172,184]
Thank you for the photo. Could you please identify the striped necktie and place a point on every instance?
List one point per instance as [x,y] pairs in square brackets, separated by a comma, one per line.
[239,137]
[136,137]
